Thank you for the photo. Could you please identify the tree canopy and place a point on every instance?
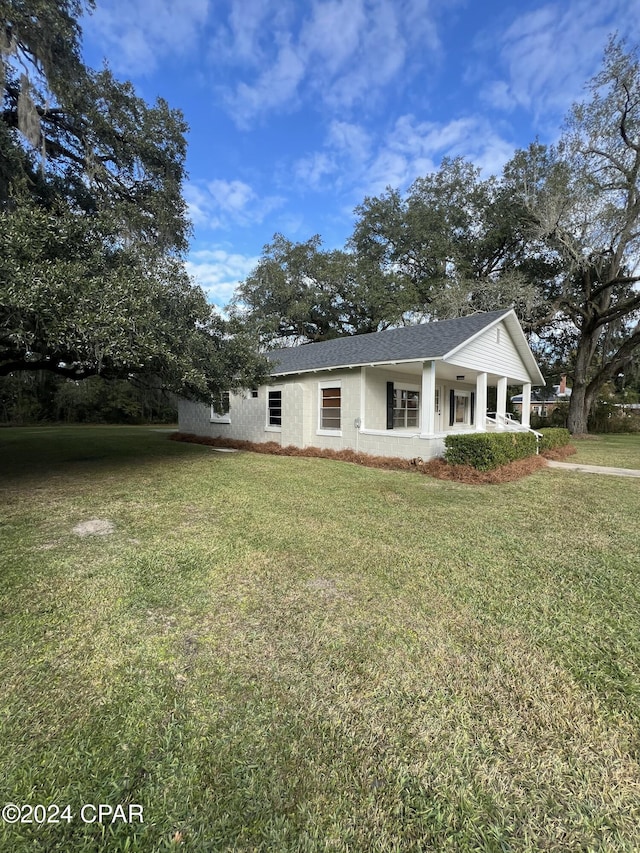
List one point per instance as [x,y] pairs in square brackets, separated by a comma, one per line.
[93,225]
[582,200]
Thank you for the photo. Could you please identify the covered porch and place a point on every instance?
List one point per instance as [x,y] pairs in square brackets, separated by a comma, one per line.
[432,399]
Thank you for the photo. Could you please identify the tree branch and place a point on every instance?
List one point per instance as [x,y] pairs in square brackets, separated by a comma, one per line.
[618,360]
[20,365]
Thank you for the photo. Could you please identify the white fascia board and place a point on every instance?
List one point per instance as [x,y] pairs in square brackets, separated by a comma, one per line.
[359,364]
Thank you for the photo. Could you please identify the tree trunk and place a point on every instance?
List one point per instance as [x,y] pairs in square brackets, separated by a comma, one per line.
[578,410]
[582,394]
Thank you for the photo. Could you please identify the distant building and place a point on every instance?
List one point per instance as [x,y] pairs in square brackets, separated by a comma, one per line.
[542,402]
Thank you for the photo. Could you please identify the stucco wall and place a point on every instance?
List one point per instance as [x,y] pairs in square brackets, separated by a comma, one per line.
[300,416]
[247,416]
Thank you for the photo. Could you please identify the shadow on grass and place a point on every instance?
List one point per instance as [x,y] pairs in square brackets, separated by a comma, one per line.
[40,452]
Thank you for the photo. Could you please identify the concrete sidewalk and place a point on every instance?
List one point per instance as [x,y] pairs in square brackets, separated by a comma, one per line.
[594,469]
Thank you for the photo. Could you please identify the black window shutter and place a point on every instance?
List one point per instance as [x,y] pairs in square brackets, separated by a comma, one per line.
[389,405]
[452,407]
[473,407]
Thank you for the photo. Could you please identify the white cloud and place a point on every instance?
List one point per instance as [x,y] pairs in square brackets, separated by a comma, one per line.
[231,196]
[350,139]
[415,148]
[338,52]
[351,163]
[137,35]
[251,29]
[199,206]
[315,170]
[277,85]
[219,272]
[221,203]
[548,54]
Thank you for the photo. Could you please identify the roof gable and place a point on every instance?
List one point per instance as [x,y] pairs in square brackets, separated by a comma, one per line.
[419,342]
[499,348]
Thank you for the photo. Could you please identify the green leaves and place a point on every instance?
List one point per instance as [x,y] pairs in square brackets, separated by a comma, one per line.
[93,223]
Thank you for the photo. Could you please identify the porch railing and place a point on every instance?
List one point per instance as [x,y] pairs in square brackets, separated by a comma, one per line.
[508,422]
[505,421]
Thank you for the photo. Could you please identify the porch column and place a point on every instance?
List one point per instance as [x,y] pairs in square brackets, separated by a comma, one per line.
[501,403]
[526,404]
[428,398]
[363,395]
[481,402]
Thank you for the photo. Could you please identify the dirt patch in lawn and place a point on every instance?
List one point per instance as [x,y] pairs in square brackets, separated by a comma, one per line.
[94,527]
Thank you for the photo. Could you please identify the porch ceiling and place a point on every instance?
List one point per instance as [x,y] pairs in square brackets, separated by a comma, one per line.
[444,372]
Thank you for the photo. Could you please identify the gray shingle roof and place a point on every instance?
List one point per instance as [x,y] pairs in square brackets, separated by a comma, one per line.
[408,343]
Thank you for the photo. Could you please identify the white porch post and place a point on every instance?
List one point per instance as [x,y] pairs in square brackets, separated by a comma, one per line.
[526,404]
[481,402]
[428,398]
[363,393]
[501,403]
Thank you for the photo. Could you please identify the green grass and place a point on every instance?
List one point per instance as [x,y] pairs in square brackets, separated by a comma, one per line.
[279,654]
[619,451]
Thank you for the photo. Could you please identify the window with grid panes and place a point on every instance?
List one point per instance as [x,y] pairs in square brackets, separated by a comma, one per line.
[274,417]
[330,407]
[406,408]
[220,406]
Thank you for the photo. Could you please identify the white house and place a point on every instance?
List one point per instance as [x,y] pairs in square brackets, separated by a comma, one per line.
[399,392]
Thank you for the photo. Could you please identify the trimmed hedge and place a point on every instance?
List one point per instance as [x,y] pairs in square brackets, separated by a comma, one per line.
[553,437]
[488,450]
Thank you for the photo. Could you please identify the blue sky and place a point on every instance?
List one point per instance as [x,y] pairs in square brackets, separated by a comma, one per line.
[299,109]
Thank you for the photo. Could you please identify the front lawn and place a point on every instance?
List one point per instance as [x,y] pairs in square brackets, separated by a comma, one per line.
[289,654]
[619,451]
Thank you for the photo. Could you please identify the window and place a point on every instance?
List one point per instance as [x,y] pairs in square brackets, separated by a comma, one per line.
[461,409]
[220,407]
[406,408]
[254,393]
[461,412]
[330,406]
[274,410]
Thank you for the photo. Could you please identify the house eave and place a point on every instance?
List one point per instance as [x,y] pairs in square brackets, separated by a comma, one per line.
[358,364]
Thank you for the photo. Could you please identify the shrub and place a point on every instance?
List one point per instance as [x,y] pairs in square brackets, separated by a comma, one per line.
[488,450]
[553,437]
[560,415]
[538,421]
[609,418]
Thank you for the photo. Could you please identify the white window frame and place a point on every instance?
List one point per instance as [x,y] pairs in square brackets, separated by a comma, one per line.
[269,427]
[410,389]
[221,417]
[321,387]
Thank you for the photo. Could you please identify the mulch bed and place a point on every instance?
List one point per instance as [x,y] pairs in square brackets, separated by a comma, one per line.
[437,468]
[467,474]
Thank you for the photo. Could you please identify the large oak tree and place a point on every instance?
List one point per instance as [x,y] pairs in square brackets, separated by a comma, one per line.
[93,225]
[582,199]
